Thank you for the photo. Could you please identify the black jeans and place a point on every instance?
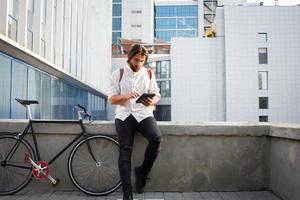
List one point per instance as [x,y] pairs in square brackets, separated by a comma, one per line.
[126,130]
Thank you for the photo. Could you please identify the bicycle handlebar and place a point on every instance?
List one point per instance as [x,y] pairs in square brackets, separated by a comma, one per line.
[83,108]
[86,114]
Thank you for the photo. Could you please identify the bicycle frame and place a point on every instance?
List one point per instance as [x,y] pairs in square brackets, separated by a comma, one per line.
[21,152]
[22,134]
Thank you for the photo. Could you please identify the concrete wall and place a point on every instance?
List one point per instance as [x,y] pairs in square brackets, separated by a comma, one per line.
[196,156]
[203,157]
[285,162]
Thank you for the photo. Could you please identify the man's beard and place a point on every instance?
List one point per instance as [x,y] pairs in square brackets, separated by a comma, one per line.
[134,67]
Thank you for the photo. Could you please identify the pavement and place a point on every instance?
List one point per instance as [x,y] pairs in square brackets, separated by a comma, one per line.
[76,195]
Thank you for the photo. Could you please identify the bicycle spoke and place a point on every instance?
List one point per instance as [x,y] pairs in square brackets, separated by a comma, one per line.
[16,174]
[96,178]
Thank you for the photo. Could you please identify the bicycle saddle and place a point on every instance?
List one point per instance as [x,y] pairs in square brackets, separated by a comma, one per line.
[26,102]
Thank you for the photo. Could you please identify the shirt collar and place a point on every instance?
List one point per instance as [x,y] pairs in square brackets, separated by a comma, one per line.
[132,72]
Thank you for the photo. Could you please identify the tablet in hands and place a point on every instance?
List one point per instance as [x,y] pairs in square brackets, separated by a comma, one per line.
[144,96]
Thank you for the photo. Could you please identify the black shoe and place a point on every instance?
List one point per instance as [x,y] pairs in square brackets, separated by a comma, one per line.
[140,181]
[127,196]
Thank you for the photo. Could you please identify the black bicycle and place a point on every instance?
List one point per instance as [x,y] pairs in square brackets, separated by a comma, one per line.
[92,164]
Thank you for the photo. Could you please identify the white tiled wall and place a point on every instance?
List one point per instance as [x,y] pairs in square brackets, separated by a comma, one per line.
[216,79]
[197,93]
[242,24]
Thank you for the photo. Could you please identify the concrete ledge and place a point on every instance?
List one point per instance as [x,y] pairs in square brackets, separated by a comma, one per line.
[224,156]
[168,128]
[286,131]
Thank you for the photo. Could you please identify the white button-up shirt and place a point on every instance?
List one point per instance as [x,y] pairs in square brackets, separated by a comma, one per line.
[133,81]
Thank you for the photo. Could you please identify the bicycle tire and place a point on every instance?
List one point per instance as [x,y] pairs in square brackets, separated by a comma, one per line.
[83,170]
[14,178]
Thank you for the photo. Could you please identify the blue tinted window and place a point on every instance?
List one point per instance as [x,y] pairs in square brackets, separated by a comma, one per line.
[34,91]
[117,9]
[57,98]
[165,35]
[172,11]
[18,89]
[63,99]
[176,21]
[165,23]
[45,102]
[71,101]
[115,37]
[186,33]
[187,23]
[187,10]
[116,24]
[83,95]
[5,83]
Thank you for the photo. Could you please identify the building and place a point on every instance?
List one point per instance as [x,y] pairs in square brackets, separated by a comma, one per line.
[116,20]
[133,19]
[175,19]
[248,72]
[150,20]
[53,51]
[161,65]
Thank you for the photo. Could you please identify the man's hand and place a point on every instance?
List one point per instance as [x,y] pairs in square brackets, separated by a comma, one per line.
[132,95]
[121,99]
[150,102]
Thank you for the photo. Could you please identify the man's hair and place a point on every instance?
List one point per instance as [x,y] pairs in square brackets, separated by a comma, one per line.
[138,49]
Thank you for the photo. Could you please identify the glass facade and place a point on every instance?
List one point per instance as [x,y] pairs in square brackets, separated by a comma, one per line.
[162,113]
[13,14]
[57,98]
[43,29]
[263,80]
[263,118]
[165,88]
[12,28]
[263,102]
[5,87]
[263,55]
[30,15]
[175,21]
[262,37]
[116,20]
[163,76]
[29,42]
[162,69]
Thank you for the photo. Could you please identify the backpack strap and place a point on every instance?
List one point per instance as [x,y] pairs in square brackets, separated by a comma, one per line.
[122,72]
[149,72]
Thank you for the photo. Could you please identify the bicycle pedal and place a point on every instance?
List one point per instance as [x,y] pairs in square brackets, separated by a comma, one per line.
[56,182]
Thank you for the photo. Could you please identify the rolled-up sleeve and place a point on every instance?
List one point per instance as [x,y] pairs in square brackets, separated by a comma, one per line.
[154,89]
[114,84]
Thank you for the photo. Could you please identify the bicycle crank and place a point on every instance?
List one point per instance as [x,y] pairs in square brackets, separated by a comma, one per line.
[41,171]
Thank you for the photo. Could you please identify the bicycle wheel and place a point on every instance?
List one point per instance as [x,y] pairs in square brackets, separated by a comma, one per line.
[15,172]
[95,178]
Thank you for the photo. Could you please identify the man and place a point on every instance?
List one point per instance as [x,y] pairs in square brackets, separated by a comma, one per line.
[127,84]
